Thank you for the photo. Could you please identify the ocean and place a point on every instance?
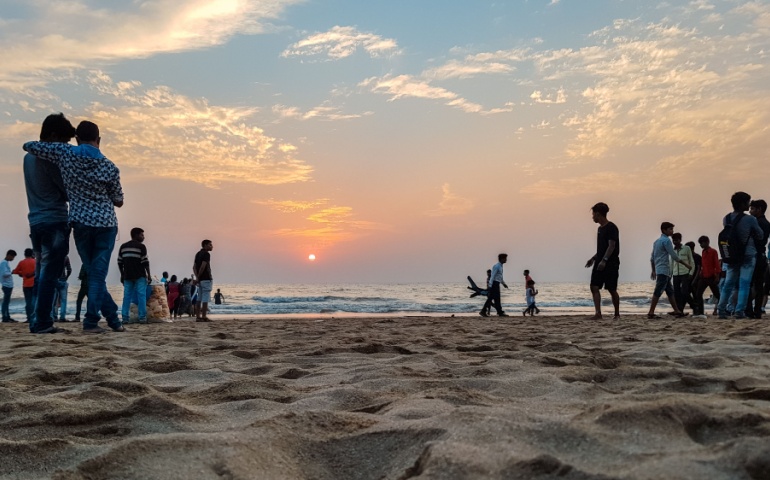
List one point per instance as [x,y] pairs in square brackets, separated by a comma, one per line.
[393,299]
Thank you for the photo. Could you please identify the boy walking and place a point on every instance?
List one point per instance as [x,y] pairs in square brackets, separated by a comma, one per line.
[6,276]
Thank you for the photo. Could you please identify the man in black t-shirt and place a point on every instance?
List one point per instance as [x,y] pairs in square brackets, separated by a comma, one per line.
[135,275]
[606,262]
[202,272]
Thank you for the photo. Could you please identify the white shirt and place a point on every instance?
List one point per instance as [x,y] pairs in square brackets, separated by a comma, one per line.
[6,274]
[497,274]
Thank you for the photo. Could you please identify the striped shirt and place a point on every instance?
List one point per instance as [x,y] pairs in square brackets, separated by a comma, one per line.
[132,260]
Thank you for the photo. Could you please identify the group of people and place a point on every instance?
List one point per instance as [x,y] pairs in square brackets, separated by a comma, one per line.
[75,190]
[739,282]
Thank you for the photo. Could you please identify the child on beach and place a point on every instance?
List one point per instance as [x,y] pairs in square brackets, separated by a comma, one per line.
[531,293]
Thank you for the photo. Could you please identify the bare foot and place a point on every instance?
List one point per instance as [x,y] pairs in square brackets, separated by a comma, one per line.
[596,317]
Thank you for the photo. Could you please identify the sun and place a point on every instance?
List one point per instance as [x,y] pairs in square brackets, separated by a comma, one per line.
[311,257]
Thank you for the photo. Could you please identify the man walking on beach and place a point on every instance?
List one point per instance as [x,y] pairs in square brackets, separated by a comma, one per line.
[6,277]
[134,269]
[740,270]
[92,183]
[48,221]
[26,270]
[202,271]
[757,209]
[660,261]
[606,261]
[496,279]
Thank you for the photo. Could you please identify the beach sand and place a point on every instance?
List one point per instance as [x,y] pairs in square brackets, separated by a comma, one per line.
[395,398]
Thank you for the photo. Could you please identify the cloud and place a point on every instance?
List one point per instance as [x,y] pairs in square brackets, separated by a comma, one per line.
[159,131]
[698,100]
[291,206]
[559,97]
[58,35]
[322,112]
[451,204]
[342,42]
[402,86]
[330,226]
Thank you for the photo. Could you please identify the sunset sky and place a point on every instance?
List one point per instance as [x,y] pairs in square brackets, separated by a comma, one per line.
[400,140]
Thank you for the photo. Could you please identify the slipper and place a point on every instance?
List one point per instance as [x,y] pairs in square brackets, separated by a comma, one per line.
[652,316]
[203,319]
[119,329]
[681,315]
[95,330]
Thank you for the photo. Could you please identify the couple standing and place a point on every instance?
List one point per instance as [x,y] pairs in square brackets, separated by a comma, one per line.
[56,172]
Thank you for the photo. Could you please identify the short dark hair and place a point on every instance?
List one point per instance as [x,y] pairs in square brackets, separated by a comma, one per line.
[56,125]
[28,252]
[760,204]
[690,244]
[676,236]
[526,272]
[136,231]
[10,252]
[203,243]
[665,226]
[501,256]
[173,278]
[739,199]
[703,238]
[601,208]
[87,131]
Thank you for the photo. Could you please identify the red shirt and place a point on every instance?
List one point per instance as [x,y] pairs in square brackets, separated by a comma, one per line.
[710,265]
[26,270]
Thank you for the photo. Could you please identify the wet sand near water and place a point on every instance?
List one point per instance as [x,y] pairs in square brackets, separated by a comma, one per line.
[540,397]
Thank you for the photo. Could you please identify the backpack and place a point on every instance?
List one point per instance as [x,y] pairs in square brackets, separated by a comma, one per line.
[731,249]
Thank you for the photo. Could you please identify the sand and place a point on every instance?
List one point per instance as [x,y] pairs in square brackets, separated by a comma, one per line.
[394,398]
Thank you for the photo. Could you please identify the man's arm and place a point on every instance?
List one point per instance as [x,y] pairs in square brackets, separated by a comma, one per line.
[51,151]
[67,268]
[114,189]
[146,263]
[201,269]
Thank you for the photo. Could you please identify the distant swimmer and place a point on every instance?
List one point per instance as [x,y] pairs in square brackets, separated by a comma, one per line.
[219,298]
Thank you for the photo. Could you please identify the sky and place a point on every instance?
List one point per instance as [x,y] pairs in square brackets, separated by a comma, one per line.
[398,141]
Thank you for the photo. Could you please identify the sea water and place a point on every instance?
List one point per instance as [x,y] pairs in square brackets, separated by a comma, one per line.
[394,299]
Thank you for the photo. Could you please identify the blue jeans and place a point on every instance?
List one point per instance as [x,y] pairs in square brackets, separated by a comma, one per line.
[6,302]
[61,295]
[95,245]
[51,244]
[29,304]
[135,291]
[737,276]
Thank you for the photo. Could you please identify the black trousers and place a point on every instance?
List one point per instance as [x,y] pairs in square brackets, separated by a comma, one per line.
[754,305]
[493,299]
[681,290]
[700,289]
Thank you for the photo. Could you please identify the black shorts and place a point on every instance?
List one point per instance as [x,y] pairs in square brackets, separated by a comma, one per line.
[607,278]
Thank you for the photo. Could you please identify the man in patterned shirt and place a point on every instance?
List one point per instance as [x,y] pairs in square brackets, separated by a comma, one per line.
[93,186]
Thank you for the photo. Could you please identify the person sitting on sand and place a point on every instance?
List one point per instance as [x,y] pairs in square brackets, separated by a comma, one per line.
[531,294]
[660,261]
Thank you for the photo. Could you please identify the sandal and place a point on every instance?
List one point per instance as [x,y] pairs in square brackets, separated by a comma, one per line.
[652,316]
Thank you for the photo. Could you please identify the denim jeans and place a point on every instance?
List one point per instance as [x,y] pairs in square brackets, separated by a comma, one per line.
[51,244]
[29,304]
[61,295]
[95,245]
[738,276]
[6,302]
[135,291]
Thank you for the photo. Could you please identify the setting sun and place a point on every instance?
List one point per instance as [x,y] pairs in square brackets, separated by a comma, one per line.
[311,257]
